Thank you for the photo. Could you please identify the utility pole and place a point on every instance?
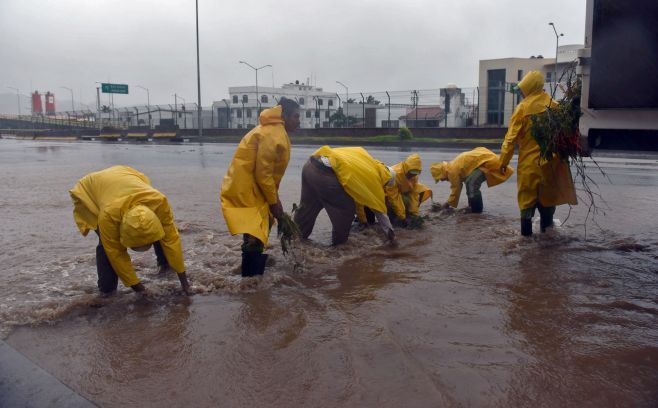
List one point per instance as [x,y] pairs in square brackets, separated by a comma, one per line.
[363,109]
[389,110]
[243,113]
[175,109]
[70,90]
[416,105]
[98,109]
[198,73]
[256,69]
[557,45]
[339,107]
[176,97]
[148,102]
[347,102]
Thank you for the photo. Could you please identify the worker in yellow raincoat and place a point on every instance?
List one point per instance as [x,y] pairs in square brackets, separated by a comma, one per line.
[541,184]
[250,189]
[343,181]
[122,207]
[404,198]
[471,168]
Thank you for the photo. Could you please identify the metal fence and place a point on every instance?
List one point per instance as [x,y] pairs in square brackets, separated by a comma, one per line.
[417,108]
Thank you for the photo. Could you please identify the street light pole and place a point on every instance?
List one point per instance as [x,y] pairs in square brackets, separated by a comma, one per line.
[18,99]
[176,98]
[347,102]
[70,90]
[198,73]
[148,102]
[175,109]
[557,45]
[256,69]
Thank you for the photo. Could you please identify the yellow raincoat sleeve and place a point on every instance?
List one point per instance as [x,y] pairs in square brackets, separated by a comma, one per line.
[414,203]
[511,137]
[116,253]
[455,189]
[85,209]
[414,197]
[85,218]
[394,199]
[266,157]
[361,214]
[171,244]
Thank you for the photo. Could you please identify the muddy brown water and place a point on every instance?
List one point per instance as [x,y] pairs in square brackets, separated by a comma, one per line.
[464,312]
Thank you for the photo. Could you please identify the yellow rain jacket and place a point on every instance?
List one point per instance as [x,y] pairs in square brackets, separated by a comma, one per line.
[129,212]
[549,182]
[252,181]
[404,186]
[362,177]
[463,165]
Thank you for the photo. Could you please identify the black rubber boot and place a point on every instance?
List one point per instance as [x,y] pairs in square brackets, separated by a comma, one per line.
[526,227]
[248,262]
[545,222]
[259,264]
[545,217]
[476,204]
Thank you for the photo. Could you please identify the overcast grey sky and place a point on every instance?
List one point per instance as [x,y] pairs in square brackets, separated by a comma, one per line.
[368,45]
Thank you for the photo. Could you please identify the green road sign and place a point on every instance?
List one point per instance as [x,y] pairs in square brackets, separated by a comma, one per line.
[114,88]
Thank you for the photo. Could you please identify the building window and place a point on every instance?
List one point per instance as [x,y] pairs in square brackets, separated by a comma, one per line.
[248,113]
[263,98]
[245,98]
[326,114]
[301,101]
[495,96]
[519,75]
[308,113]
[549,77]
[331,102]
[235,98]
[239,113]
[320,101]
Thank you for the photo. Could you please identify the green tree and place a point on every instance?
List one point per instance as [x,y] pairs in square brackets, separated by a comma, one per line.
[371,100]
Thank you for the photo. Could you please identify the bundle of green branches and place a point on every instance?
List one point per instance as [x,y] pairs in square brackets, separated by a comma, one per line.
[415,222]
[287,230]
[556,129]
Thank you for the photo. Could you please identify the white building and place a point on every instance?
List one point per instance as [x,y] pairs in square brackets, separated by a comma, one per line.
[394,111]
[316,106]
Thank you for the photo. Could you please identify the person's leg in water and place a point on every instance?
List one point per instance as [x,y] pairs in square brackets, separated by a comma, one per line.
[545,216]
[370,216]
[526,221]
[473,183]
[341,213]
[108,280]
[309,204]
[340,208]
[253,259]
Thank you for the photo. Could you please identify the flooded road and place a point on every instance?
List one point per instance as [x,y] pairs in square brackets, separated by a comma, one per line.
[465,312]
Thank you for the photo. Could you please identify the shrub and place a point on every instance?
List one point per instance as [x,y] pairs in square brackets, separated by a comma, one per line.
[405,134]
